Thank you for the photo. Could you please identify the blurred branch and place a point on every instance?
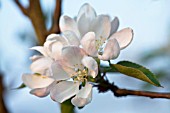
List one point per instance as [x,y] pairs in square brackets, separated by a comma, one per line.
[104,86]
[3,108]
[24,10]
[35,14]
[56,17]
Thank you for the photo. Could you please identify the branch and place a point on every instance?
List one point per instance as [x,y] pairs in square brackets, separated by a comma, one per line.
[56,17]
[24,10]
[104,86]
[35,14]
[38,20]
[3,108]
[125,92]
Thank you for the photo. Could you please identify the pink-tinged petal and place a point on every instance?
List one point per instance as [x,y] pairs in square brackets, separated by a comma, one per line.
[114,25]
[72,38]
[124,37]
[34,81]
[111,51]
[91,64]
[84,19]
[72,56]
[40,49]
[88,10]
[83,25]
[54,45]
[35,57]
[56,38]
[64,90]
[47,47]
[42,92]
[88,43]
[58,72]
[101,25]
[67,23]
[83,97]
[56,49]
[41,65]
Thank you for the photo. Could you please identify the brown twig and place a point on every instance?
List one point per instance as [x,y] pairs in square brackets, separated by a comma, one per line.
[3,108]
[24,10]
[38,20]
[56,16]
[35,14]
[126,92]
[104,86]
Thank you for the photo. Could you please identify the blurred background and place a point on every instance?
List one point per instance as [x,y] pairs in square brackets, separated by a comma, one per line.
[150,20]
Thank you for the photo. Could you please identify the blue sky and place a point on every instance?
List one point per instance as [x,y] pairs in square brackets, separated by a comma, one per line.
[148,18]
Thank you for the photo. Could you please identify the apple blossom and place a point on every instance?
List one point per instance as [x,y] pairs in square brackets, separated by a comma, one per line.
[67,59]
[97,33]
[78,66]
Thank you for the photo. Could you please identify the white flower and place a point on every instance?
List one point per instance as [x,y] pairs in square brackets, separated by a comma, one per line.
[51,51]
[98,34]
[78,66]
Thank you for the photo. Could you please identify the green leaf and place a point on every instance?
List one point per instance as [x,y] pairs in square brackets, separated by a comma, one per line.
[136,71]
[67,107]
[21,86]
[107,69]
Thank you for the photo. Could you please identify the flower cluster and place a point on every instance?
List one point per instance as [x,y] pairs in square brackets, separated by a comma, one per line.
[69,58]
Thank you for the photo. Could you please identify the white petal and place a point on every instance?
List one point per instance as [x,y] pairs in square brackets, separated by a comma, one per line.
[89,45]
[67,23]
[83,25]
[72,56]
[72,38]
[124,37]
[88,11]
[64,90]
[47,47]
[57,37]
[42,92]
[58,72]
[83,97]
[35,57]
[41,65]
[84,19]
[36,81]
[101,26]
[91,64]
[54,45]
[114,25]
[56,49]
[40,49]
[111,51]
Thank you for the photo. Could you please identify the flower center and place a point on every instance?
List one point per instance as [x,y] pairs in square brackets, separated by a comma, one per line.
[99,44]
[81,75]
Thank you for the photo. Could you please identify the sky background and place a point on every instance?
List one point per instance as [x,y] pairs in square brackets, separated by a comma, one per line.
[150,22]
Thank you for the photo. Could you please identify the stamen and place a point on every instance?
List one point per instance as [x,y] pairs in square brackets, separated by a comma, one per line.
[99,44]
[80,75]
